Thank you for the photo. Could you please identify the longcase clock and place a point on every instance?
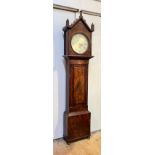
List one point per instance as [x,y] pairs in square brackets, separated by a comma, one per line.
[77,52]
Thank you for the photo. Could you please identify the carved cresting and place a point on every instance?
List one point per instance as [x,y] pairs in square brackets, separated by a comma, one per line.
[76,115]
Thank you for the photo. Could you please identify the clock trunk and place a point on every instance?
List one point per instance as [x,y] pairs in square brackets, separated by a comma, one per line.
[76,116]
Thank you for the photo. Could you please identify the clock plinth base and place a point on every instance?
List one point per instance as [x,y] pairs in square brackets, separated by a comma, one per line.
[68,140]
[76,126]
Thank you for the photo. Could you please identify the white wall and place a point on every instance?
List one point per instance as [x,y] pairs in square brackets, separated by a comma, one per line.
[59,94]
[59,75]
[90,5]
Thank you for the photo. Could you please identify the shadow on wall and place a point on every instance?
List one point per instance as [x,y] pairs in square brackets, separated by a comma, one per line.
[59,79]
[59,75]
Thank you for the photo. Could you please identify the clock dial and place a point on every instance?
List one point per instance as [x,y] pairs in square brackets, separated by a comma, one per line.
[79,43]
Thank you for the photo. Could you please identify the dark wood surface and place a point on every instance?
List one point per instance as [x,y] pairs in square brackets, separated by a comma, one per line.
[77,118]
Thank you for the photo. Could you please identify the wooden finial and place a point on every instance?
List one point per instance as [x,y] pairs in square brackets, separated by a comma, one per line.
[67,22]
[81,14]
[92,27]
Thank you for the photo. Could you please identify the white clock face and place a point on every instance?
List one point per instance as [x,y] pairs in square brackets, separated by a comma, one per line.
[79,43]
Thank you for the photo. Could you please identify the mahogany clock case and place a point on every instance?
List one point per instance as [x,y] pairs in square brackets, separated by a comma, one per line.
[76,116]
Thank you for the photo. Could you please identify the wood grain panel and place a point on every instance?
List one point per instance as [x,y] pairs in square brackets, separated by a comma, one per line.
[78,84]
[78,87]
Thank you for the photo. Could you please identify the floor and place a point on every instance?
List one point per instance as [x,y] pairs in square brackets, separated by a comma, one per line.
[83,147]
